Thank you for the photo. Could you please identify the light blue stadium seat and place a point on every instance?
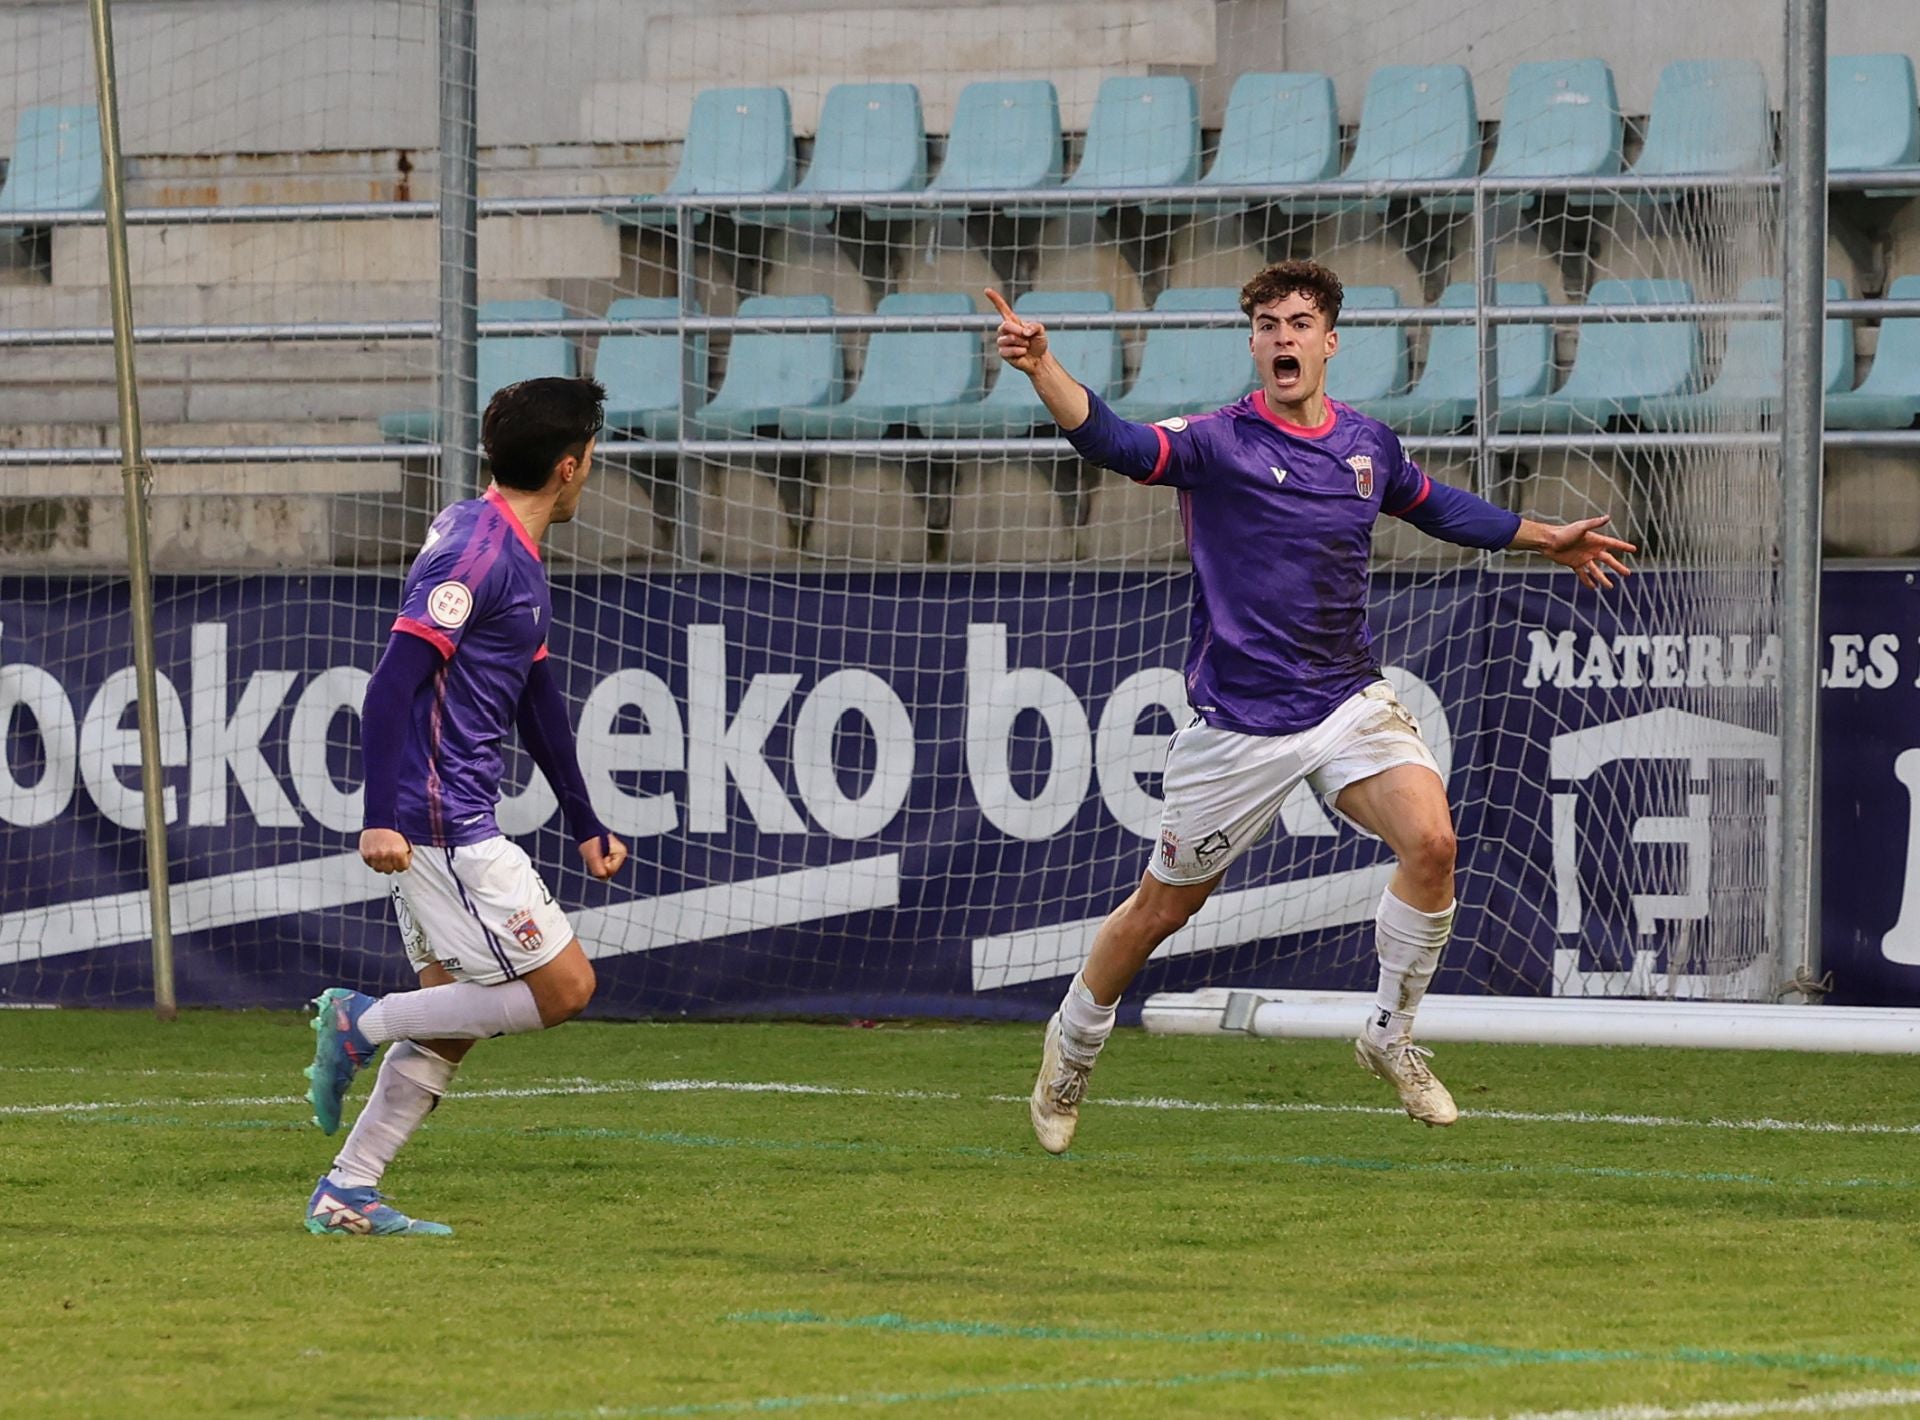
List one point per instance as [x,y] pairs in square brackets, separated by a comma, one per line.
[1618,364]
[1372,362]
[738,141]
[1561,119]
[1011,407]
[1709,117]
[904,370]
[1872,119]
[1006,134]
[499,361]
[1279,129]
[1190,371]
[771,372]
[642,372]
[1416,122]
[1747,389]
[1444,396]
[55,165]
[1889,397]
[870,139]
[1143,133]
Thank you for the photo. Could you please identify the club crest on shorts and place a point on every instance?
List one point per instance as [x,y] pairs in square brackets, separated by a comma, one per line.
[1169,847]
[525,930]
[1362,466]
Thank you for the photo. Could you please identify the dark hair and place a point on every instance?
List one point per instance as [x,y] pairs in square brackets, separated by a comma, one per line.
[531,426]
[1283,278]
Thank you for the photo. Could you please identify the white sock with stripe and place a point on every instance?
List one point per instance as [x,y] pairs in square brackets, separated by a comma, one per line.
[459,1011]
[411,1081]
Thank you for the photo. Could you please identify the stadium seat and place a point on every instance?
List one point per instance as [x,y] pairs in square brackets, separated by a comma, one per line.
[870,139]
[642,372]
[738,141]
[1279,129]
[55,164]
[1710,118]
[499,361]
[1748,385]
[1889,397]
[905,370]
[771,372]
[1872,118]
[1617,364]
[1190,371]
[1443,397]
[1011,408]
[1006,134]
[1416,123]
[1143,133]
[1371,363]
[1561,119]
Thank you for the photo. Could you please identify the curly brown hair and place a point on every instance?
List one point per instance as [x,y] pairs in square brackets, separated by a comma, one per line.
[1283,278]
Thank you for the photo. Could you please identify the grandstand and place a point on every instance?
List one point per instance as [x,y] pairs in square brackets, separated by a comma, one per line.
[1163,105]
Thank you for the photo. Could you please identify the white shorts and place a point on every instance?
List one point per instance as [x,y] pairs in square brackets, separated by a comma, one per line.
[1224,789]
[480,911]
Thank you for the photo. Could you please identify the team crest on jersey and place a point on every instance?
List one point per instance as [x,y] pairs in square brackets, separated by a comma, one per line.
[1177,423]
[450,603]
[1362,466]
[525,930]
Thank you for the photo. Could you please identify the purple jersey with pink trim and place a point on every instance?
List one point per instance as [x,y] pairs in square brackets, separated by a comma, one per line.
[1279,523]
[478,592]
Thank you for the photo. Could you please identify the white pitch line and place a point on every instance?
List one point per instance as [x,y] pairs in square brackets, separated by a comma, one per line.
[1829,1404]
[580,1086]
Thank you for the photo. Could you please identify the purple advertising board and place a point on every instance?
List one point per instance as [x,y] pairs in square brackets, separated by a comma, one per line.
[918,792]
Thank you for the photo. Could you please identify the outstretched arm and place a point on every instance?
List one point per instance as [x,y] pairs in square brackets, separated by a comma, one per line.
[548,735]
[1023,345]
[1457,516]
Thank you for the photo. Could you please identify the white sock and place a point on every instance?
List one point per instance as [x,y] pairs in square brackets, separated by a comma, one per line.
[1409,942]
[411,1081]
[460,1011]
[1084,1023]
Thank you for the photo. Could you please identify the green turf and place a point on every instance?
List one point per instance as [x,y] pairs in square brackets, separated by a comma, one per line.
[622,1251]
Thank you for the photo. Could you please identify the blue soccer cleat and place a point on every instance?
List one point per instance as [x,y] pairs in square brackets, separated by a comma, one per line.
[334,1211]
[339,1053]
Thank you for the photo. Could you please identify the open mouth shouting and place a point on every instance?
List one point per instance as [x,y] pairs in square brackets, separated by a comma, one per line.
[1286,371]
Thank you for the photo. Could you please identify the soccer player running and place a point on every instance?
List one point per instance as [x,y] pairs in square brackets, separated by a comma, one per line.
[467,658]
[1279,492]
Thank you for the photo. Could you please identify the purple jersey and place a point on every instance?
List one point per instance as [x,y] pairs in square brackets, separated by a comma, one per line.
[1279,523]
[478,592]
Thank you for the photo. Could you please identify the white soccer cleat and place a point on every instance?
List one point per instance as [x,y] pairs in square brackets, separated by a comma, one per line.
[1055,1104]
[1403,1065]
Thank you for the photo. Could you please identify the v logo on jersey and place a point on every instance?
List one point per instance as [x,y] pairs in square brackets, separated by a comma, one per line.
[1279,474]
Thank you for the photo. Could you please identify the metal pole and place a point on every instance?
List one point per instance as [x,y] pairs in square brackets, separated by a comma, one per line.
[136,480]
[459,253]
[1486,293]
[693,393]
[1804,199]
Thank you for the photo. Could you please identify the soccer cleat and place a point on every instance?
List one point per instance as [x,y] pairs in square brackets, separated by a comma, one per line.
[1055,1104]
[1403,1065]
[339,1212]
[340,1052]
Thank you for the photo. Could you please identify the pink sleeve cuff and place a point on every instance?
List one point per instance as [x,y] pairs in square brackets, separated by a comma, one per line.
[1426,487]
[431,635]
[1166,453]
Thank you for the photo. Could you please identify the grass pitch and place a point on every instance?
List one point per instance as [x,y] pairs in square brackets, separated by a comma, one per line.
[691,1220]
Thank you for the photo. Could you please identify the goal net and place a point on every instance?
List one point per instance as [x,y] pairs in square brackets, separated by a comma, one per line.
[873,674]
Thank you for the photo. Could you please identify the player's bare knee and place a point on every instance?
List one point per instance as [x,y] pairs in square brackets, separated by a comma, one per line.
[1431,855]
